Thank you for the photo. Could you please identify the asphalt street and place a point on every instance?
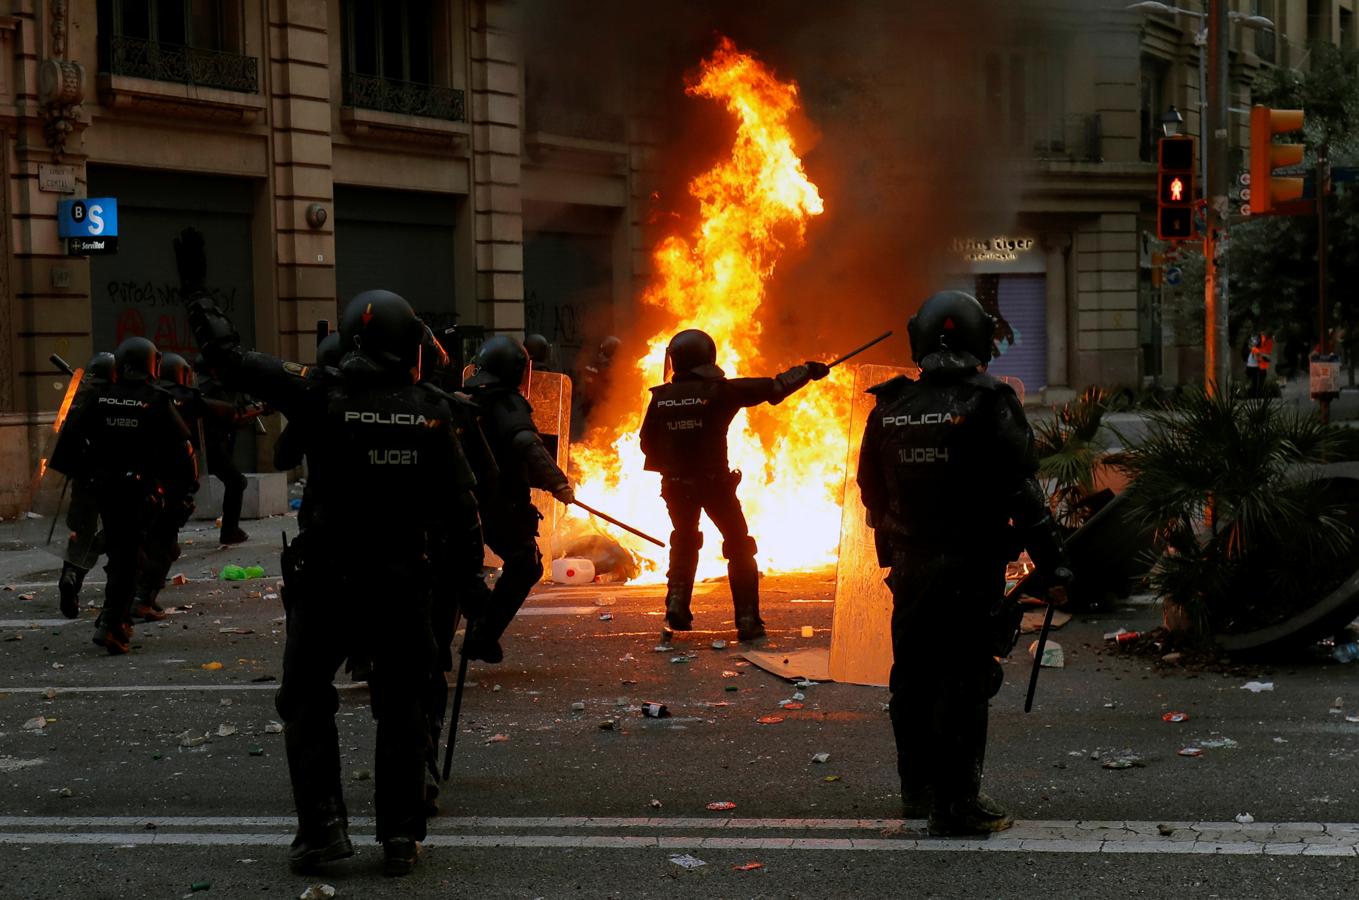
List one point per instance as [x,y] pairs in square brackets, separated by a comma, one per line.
[153,773]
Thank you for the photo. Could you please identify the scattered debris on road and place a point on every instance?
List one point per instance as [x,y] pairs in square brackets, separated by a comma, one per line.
[687,861]
[1175,717]
[1256,687]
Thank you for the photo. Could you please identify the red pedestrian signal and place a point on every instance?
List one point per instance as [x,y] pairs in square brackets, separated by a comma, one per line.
[1175,189]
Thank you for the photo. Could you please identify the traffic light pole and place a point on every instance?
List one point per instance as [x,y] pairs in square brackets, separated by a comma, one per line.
[1323,342]
[1216,355]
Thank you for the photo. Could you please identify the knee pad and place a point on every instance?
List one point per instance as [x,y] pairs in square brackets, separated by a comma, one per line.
[739,548]
[296,704]
[686,542]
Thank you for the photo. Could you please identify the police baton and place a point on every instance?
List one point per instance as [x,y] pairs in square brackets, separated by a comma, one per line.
[457,710]
[61,364]
[856,351]
[611,520]
[1042,642]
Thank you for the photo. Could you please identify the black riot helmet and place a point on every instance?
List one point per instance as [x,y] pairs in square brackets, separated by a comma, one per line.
[382,326]
[136,359]
[101,365]
[329,351]
[952,322]
[608,347]
[693,351]
[176,370]
[501,360]
[538,350]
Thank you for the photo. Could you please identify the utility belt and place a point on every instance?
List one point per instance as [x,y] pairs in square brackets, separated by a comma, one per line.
[697,480]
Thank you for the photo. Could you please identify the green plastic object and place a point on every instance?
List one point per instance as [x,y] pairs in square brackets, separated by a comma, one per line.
[254,571]
[233,573]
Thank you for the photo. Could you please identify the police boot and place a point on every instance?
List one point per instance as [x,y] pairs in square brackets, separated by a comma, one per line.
[69,588]
[322,837]
[146,609]
[115,637]
[677,598]
[974,816]
[744,579]
[399,855]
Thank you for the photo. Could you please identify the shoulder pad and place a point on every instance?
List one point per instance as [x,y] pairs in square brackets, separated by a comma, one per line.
[889,388]
[659,387]
[987,382]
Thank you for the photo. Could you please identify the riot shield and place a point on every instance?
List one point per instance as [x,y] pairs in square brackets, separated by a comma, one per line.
[861,627]
[54,498]
[550,396]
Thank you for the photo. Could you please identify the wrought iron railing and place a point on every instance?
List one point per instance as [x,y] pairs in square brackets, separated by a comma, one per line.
[140,58]
[404,97]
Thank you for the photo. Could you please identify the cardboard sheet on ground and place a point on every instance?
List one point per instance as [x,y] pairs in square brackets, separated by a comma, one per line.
[1033,620]
[793,665]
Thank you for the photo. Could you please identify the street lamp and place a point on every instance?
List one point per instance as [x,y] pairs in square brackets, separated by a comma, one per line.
[1171,120]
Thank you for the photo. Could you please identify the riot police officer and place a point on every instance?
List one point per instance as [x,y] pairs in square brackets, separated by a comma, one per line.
[947,471]
[162,548]
[388,481]
[539,351]
[136,451]
[510,519]
[684,437]
[85,542]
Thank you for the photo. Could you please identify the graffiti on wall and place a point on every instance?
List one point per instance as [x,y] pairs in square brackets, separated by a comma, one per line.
[146,309]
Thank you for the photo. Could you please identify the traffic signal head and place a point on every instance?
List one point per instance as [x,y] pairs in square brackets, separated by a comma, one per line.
[1175,189]
[1267,190]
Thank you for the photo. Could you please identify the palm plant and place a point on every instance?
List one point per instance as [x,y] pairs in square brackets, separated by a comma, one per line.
[1246,537]
[1068,455]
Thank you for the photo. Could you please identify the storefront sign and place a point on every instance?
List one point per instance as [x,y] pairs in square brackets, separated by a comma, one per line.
[1002,248]
[88,226]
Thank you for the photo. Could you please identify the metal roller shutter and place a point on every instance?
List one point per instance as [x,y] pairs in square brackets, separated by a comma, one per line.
[1023,304]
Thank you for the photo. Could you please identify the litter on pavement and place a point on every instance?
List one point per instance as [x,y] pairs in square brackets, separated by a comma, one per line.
[1053,657]
[721,805]
[687,861]
[1175,717]
[1256,687]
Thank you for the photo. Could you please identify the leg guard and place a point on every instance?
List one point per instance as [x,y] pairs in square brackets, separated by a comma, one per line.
[679,592]
[744,579]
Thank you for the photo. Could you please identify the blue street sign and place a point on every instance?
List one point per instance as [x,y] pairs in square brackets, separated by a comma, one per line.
[1174,275]
[89,225]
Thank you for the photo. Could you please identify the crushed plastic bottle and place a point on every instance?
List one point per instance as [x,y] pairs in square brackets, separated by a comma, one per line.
[1345,653]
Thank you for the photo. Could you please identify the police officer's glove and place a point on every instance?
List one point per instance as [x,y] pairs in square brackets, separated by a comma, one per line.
[817,370]
[191,258]
[565,494]
[1058,582]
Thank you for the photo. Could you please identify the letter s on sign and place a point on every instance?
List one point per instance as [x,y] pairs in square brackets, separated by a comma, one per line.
[96,220]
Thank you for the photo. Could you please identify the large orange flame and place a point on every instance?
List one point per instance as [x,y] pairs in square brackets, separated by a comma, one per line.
[752,207]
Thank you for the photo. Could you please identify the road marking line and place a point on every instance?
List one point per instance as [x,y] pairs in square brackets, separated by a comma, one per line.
[153,688]
[35,623]
[1000,843]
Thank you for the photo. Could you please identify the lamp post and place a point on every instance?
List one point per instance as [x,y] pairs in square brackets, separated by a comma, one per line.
[1212,41]
[1171,120]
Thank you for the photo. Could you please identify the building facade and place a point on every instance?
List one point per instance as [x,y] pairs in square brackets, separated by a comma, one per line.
[323,147]
[1078,274]
[455,152]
